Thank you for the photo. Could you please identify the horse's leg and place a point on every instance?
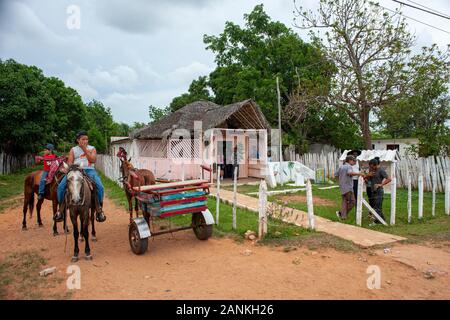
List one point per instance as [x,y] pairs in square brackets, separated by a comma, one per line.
[85,232]
[76,234]
[136,206]
[54,207]
[94,237]
[38,210]
[26,200]
[130,205]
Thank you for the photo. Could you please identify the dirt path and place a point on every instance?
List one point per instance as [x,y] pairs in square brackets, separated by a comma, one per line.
[182,267]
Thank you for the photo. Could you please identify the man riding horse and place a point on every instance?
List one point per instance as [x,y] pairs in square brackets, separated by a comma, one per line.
[85,156]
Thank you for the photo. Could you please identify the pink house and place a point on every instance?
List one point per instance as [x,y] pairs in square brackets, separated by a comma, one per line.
[202,133]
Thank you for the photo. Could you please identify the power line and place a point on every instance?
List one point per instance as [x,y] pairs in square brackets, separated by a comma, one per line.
[427,11]
[421,5]
[429,25]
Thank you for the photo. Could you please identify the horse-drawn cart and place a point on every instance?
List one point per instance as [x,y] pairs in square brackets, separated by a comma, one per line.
[166,200]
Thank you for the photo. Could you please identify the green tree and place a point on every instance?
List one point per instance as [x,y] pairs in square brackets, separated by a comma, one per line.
[424,113]
[156,113]
[27,111]
[370,49]
[198,90]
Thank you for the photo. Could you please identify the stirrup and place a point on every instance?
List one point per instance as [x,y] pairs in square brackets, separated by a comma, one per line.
[100,216]
[58,217]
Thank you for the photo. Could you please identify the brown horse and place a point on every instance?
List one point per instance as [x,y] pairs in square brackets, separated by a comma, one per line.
[31,187]
[132,177]
[79,201]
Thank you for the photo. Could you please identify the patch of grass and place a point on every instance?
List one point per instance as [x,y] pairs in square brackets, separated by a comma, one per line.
[246,220]
[11,185]
[19,274]
[428,226]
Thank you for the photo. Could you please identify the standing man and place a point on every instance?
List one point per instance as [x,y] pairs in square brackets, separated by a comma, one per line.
[85,156]
[345,175]
[377,178]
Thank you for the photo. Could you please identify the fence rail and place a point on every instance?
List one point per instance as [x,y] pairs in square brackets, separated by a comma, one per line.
[432,168]
[10,163]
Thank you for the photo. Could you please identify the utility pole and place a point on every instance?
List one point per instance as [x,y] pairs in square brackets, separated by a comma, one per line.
[279,121]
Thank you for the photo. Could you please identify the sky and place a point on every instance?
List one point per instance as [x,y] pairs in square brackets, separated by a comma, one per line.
[135,53]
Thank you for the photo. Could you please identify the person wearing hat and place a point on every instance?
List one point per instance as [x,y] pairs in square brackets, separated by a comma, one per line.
[356,169]
[345,175]
[83,155]
[49,156]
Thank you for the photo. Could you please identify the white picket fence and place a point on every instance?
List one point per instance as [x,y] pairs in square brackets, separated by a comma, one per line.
[11,163]
[431,168]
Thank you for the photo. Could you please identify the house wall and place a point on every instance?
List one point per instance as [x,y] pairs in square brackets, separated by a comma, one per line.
[404,144]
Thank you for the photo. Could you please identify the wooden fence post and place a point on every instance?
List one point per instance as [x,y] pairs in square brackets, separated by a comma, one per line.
[309,201]
[262,230]
[359,197]
[234,197]
[218,195]
[409,198]
[420,209]
[433,204]
[393,192]
[447,194]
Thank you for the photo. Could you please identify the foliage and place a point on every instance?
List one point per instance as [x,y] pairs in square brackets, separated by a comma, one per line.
[370,49]
[424,113]
[156,113]
[198,90]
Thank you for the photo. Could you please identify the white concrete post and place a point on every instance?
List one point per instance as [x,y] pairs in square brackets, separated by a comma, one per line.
[234,197]
[393,192]
[309,200]
[433,203]
[409,198]
[359,197]
[218,195]
[182,171]
[262,230]
[420,209]
[447,194]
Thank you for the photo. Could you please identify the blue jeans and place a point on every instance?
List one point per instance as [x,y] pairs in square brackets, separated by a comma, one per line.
[92,173]
[42,182]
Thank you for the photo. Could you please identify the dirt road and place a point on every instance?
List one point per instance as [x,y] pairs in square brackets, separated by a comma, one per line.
[182,267]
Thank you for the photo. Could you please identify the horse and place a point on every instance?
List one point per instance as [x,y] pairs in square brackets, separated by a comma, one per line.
[79,201]
[132,177]
[31,186]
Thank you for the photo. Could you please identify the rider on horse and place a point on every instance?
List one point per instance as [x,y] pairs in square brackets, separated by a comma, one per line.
[83,155]
[49,156]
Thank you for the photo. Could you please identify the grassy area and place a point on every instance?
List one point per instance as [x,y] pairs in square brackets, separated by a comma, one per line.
[20,279]
[279,233]
[438,227]
[11,185]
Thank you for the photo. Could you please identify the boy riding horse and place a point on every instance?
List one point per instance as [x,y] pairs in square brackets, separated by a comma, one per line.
[85,156]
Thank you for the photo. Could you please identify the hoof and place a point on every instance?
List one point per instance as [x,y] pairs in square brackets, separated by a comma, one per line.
[55,233]
[67,231]
[81,239]
[40,225]
[74,259]
[88,258]
[24,228]
[94,239]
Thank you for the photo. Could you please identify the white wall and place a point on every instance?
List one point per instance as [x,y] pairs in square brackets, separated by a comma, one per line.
[404,144]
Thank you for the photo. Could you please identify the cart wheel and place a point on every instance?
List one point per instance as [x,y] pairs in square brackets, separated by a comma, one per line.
[138,245]
[201,229]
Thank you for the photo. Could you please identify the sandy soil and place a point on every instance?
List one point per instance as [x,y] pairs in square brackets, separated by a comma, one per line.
[301,198]
[179,266]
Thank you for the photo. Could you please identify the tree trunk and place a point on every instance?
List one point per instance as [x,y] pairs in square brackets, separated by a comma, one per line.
[365,128]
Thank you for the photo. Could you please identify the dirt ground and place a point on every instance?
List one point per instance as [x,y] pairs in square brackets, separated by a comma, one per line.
[301,198]
[179,266]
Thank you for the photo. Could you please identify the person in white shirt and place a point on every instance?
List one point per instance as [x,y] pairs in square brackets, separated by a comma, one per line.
[355,169]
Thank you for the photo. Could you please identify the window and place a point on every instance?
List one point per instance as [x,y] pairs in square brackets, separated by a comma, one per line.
[392,147]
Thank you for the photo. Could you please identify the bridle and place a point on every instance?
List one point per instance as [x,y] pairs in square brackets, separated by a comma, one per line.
[82,194]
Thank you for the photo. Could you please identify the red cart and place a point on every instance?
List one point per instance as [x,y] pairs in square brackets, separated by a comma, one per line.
[170,199]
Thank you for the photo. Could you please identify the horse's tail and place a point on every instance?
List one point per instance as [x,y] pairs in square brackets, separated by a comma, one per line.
[28,195]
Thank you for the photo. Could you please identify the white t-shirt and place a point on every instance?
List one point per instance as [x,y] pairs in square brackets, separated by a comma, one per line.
[81,159]
[355,169]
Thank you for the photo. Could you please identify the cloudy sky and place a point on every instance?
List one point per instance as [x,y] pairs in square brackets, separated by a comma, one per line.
[135,53]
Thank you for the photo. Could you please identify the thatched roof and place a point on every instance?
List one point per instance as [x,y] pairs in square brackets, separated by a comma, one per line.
[241,115]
